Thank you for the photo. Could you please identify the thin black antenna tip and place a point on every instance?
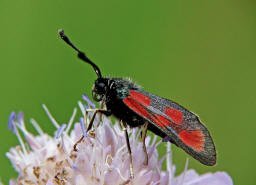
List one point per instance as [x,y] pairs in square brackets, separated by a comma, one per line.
[63,36]
[61,33]
[66,39]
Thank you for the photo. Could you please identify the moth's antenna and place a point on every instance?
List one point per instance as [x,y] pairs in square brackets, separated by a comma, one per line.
[80,54]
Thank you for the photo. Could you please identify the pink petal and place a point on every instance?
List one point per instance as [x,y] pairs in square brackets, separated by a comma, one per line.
[218,178]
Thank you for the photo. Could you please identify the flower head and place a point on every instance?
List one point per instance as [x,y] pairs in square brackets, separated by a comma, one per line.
[100,157]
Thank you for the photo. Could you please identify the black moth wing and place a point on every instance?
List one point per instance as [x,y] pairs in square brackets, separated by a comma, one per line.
[169,119]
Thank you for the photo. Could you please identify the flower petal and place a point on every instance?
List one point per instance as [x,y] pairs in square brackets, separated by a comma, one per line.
[11,124]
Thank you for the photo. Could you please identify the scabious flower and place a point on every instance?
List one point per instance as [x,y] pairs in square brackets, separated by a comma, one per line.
[100,158]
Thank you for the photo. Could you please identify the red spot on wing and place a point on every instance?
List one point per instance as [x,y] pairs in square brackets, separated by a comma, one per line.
[138,108]
[163,120]
[135,106]
[156,120]
[141,98]
[136,101]
[194,139]
[174,114]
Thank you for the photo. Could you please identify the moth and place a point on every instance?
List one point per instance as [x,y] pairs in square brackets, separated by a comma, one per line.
[135,107]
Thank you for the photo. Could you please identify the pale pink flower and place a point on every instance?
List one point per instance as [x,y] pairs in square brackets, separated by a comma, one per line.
[101,158]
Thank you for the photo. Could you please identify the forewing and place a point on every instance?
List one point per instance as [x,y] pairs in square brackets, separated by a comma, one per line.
[174,121]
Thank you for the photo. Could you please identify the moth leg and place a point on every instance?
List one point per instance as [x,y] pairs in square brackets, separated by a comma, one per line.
[100,114]
[143,137]
[128,147]
[79,141]
[126,182]
[103,111]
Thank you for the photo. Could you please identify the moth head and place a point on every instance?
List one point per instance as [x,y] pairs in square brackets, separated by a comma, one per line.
[99,89]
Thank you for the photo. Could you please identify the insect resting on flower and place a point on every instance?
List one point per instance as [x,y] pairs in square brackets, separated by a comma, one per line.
[136,107]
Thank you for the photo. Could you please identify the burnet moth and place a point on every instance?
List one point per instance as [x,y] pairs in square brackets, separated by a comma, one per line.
[135,107]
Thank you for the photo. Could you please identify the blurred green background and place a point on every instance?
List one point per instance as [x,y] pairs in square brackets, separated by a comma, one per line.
[198,53]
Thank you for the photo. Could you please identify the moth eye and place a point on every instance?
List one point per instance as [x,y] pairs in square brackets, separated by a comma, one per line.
[101,85]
